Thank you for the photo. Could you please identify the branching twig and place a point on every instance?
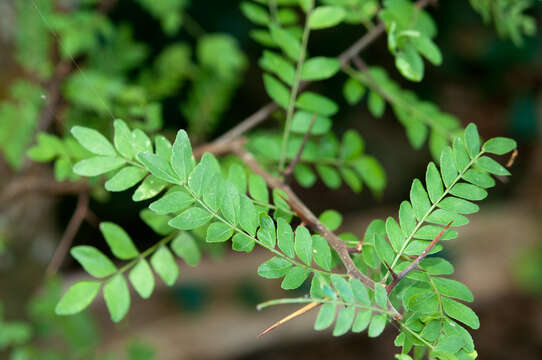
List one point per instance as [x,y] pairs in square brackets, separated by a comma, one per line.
[398,277]
[68,236]
[288,172]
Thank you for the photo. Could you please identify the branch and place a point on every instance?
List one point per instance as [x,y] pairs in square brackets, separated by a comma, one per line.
[398,277]
[67,238]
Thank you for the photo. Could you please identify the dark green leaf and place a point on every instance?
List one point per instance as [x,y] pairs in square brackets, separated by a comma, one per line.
[255,13]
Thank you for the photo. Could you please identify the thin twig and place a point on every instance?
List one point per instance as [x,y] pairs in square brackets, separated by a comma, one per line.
[288,172]
[398,277]
[68,236]
[292,316]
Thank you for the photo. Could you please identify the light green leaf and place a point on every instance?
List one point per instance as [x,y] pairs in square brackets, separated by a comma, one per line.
[285,237]
[491,166]
[123,139]
[276,64]
[119,241]
[322,252]
[274,268]
[480,178]
[242,242]
[343,288]
[499,145]
[149,188]
[410,63]
[287,42]
[302,121]
[97,165]
[452,288]
[257,188]
[460,312]
[353,91]
[462,159]
[141,142]
[395,235]
[117,297]
[218,232]
[326,16]
[255,13]
[93,261]
[468,191]
[458,205]
[377,326]
[443,217]
[172,202]
[362,321]
[344,321]
[78,297]
[93,141]
[126,178]
[315,103]
[351,179]
[158,223]
[158,166]
[447,166]
[319,68]
[238,177]
[437,266]
[371,172]
[303,244]
[266,233]
[142,279]
[163,147]
[165,266]
[191,219]
[351,146]
[294,278]
[181,156]
[185,247]
[276,90]
[331,219]
[434,182]
[407,218]
[472,140]
[427,48]
[230,202]
[419,199]
[381,296]
[248,219]
[326,315]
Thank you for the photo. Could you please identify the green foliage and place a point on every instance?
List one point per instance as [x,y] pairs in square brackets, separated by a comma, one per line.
[508,16]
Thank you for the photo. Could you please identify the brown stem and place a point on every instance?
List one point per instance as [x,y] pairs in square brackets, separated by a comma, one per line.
[68,236]
[398,277]
[288,172]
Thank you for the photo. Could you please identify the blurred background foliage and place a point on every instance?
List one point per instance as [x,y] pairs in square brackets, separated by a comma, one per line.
[170,64]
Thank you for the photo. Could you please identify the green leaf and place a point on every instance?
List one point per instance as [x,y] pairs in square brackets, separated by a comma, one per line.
[93,141]
[452,288]
[499,145]
[381,296]
[302,121]
[149,188]
[377,326]
[141,142]
[395,235]
[491,166]
[158,166]
[361,322]
[383,249]
[97,165]
[320,68]
[447,167]
[172,202]
[163,147]
[468,191]
[315,103]
[274,268]
[407,218]
[165,266]
[419,199]
[255,13]
[248,219]
[458,205]
[443,217]
[351,146]
[266,233]
[257,188]
[434,182]
[276,64]
[360,292]
[185,247]
[460,312]
[472,140]
[437,266]
[93,261]
[123,139]
[462,159]
[344,321]
[427,48]
[480,178]
[142,279]
[331,219]
[449,345]
[353,91]
[242,242]
[119,241]
[294,278]
[322,252]
[326,16]
[304,175]
[371,172]
[285,237]
[230,202]
[326,315]
[158,223]
[126,178]
[287,42]
[303,244]
[78,297]
[238,177]
[181,156]
[432,330]
[191,219]
[278,92]
[351,179]
[343,288]
[218,232]
[117,297]
[410,63]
